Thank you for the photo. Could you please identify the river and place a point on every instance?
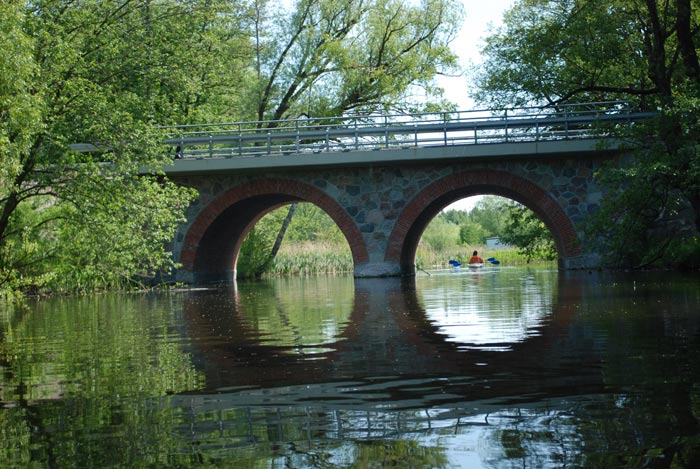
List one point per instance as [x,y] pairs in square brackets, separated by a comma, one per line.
[495,368]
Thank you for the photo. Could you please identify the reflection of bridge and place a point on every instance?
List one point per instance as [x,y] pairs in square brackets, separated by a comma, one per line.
[390,373]
[382,200]
[387,334]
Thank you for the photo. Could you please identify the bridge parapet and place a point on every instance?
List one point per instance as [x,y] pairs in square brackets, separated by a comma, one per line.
[403,131]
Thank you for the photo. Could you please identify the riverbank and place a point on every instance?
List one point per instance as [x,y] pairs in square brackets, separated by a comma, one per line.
[309,258]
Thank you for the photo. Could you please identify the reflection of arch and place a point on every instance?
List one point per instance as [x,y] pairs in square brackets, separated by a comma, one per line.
[388,334]
[215,237]
[230,349]
[408,229]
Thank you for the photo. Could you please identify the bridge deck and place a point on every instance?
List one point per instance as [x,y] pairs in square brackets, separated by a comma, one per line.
[278,161]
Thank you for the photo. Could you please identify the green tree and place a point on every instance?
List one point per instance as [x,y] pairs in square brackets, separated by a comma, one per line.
[95,71]
[490,213]
[472,233]
[550,53]
[330,57]
[524,230]
[441,234]
[455,216]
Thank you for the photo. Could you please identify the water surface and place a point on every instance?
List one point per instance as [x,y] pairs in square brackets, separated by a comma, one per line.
[500,367]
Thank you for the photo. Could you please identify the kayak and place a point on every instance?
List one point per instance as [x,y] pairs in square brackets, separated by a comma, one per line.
[475,265]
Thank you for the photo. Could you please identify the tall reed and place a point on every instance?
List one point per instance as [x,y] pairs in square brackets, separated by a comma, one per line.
[308,258]
[324,257]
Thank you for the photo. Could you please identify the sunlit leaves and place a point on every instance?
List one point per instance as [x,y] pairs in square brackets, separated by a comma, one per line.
[526,231]
[330,57]
[549,52]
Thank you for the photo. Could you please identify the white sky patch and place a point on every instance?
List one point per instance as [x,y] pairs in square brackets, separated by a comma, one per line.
[479,18]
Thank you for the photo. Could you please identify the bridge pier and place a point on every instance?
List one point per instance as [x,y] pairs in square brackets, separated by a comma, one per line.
[380,269]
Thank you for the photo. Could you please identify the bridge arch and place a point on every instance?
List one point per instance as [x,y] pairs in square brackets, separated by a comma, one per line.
[410,225]
[214,239]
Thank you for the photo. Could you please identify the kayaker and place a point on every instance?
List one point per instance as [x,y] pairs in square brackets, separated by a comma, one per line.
[476,259]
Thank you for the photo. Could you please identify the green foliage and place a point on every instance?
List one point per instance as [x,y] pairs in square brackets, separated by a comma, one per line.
[254,258]
[308,62]
[549,53]
[652,194]
[532,237]
[310,224]
[441,235]
[455,216]
[472,233]
[490,213]
[92,71]
[118,235]
[685,254]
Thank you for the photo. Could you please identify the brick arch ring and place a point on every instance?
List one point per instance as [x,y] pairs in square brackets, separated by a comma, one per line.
[256,198]
[403,241]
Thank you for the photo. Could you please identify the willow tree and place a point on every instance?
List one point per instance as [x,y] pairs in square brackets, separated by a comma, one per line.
[644,51]
[107,71]
[326,58]
[331,58]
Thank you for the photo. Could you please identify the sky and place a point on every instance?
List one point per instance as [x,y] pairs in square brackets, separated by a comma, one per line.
[479,16]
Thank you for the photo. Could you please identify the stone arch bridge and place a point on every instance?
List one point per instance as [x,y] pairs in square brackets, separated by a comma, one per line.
[383,179]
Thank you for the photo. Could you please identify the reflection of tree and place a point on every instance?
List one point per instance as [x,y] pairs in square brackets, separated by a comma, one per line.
[297,312]
[648,334]
[78,378]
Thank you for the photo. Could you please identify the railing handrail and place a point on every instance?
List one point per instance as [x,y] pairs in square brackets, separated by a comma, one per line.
[480,114]
[372,132]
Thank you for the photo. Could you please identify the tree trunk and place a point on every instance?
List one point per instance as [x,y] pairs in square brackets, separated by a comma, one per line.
[280,235]
[685,40]
[656,40]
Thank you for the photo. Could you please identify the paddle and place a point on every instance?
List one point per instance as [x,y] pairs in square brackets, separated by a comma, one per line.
[493,261]
[455,263]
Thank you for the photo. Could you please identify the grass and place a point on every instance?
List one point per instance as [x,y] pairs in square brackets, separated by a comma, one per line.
[428,258]
[311,258]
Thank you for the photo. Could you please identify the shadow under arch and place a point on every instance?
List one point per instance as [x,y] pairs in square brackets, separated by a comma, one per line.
[408,229]
[213,241]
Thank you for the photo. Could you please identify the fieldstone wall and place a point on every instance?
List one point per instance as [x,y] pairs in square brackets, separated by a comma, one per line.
[382,210]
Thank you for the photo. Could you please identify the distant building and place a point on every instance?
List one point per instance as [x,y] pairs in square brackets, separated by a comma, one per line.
[494,242]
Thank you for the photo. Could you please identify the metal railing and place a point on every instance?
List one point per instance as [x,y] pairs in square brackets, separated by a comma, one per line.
[375,132]
[401,131]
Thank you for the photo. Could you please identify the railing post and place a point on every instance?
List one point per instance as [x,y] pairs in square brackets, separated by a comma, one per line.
[444,128]
[240,140]
[211,146]
[357,142]
[386,132]
[505,130]
[269,143]
[297,142]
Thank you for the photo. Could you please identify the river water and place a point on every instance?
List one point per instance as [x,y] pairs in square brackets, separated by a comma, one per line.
[496,368]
